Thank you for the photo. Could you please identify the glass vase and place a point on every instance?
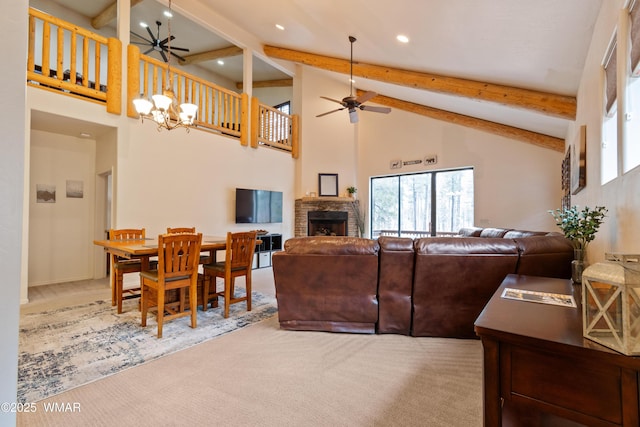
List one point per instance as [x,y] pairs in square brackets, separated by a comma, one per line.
[577,266]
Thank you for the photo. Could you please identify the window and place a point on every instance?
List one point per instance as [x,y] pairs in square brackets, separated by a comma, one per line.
[609,148]
[422,204]
[631,145]
[285,107]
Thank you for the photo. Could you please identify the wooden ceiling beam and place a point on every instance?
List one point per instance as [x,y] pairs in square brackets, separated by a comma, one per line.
[108,14]
[268,83]
[510,132]
[546,103]
[211,55]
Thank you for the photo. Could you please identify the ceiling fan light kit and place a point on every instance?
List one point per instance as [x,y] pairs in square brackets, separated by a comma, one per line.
[163,109]
[352,103]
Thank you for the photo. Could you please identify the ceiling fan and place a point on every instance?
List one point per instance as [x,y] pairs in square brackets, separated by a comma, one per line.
[158,45]
[352,103]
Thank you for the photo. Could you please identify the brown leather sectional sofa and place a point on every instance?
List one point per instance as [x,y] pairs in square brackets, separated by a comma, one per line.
[434,286]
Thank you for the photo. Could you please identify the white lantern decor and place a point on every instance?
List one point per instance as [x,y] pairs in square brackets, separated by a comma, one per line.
[611,303]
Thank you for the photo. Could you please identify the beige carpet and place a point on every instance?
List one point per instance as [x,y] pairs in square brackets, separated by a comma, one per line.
[264,376]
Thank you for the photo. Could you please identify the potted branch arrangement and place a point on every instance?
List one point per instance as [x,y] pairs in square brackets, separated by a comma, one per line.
[352,191]
[580,228]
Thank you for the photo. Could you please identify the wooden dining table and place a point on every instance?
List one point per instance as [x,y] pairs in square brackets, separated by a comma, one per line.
[144,249]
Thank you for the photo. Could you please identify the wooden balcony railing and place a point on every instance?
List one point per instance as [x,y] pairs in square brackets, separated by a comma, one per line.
[70,60]
[219,109]
[273,128]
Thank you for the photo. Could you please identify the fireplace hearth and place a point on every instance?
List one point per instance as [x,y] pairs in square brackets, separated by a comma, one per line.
[328,223]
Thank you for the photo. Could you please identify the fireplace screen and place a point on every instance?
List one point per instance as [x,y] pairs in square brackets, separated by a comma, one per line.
[327,223]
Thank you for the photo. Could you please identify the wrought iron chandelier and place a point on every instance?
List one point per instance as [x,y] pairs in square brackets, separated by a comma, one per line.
[164,109]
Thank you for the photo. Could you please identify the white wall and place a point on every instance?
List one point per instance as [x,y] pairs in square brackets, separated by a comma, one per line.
[60,233]
[329,142]
[621,230]
[515,183]
[12,176]
[178,179]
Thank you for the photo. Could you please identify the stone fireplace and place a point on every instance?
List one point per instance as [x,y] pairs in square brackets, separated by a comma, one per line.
[326,216]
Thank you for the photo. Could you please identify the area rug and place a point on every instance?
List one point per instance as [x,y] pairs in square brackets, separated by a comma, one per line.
[68,347]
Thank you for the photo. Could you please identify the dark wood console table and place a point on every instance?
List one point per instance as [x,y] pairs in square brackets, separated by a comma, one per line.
[540,371]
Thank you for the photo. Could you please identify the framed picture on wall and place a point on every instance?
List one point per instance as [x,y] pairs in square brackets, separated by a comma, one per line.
[328,184]
[45,193]
[579,161]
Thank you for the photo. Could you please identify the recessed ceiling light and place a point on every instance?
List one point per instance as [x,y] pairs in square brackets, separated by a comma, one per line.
[168,14]
[220,62]
[143,24]
[85,135]
[402,38]
[280,27]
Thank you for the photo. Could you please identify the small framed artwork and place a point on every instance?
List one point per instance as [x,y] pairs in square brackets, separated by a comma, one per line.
[75,189]
[328,184]
[45,193]
[579,161]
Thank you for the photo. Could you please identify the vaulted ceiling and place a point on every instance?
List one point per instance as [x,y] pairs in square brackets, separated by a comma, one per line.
[510,67]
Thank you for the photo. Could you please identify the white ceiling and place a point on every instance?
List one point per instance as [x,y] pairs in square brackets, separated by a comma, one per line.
[539,45]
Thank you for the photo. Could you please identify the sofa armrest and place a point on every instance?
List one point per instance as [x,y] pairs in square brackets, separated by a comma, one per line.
[546,256]
[327,284]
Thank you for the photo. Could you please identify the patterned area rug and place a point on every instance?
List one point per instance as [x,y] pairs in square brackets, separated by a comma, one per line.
[65,348]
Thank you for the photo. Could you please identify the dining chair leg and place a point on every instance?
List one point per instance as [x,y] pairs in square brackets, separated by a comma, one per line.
[112,282]
[160,312]
[119,290]
[248,286]
[205,290]
[193,304]
[144,297]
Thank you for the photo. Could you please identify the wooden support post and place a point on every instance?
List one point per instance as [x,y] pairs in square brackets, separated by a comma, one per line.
[114,76]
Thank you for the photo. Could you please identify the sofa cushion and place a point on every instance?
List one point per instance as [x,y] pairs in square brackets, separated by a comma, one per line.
[395,285]
[494,232]
[453,280]
[513,234]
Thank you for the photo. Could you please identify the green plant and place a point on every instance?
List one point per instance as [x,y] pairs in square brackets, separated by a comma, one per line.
[580,226]
[351,190]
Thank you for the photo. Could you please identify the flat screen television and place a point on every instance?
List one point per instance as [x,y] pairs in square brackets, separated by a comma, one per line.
[258,206]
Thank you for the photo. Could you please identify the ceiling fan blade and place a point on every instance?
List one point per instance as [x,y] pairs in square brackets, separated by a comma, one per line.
[151,34]
[183,49]
[164,56]
[331,99]
[353,115]
[329,112]
[181,58]
[148,50]
[165,41]
[365,97]
[143,38]
[385,110]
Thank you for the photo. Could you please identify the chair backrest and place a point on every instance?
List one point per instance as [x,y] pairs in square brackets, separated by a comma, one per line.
[240,249]
[178,255]
[126,234]
[181,230]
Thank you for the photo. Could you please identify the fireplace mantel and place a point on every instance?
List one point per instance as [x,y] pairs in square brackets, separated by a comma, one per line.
[327,199]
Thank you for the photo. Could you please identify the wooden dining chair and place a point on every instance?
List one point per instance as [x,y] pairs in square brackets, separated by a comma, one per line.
[181,230]
[206,258]
[122,266]
[238,262]
[178,256]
